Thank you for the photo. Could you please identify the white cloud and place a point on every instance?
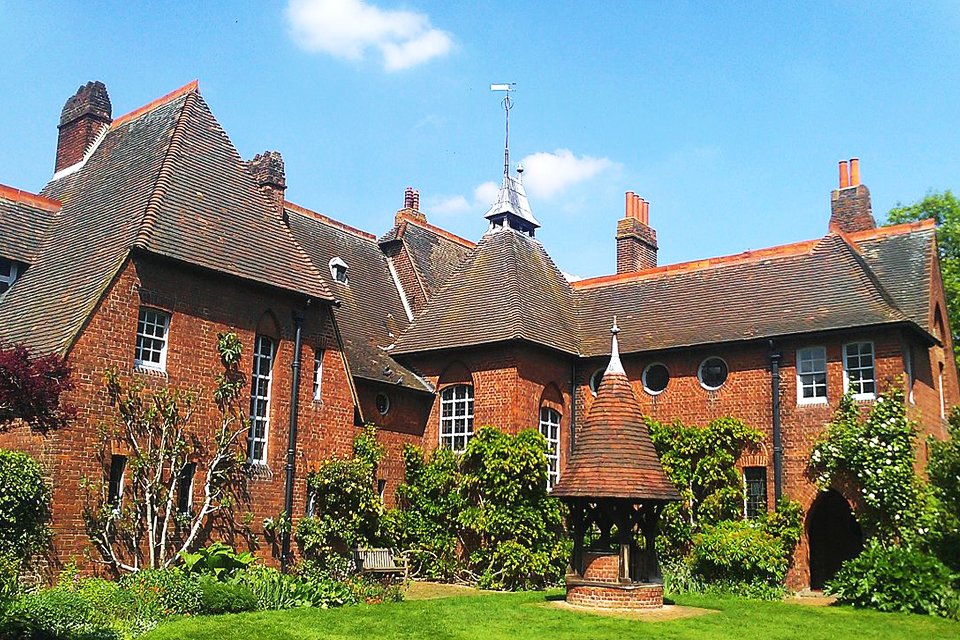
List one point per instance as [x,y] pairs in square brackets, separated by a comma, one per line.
[570,277]
[486,194]
[349,28]
[549,174]
[447,205]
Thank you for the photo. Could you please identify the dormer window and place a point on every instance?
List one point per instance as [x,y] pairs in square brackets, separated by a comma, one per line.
[338,269]
[9,270]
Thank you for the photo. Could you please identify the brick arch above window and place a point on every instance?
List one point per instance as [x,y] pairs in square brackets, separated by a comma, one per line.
[268,325]
[552,398]
[754,456]
[455,373]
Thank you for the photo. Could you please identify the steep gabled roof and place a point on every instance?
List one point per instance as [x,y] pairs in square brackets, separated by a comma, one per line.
[812,286]
[25,219]
[435,252]
[508,288]
[613,456]
[902,263]
[371,314]
[164,179]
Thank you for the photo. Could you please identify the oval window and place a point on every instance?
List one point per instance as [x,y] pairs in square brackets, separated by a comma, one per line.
[655,378]
[595,380]
[712,373]
[383,403]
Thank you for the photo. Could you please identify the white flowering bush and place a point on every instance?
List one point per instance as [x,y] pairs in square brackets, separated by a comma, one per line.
[875,454]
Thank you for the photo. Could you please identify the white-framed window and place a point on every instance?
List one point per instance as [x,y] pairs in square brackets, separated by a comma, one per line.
[153,327]
[859,375]
[550,428]
[755,492]
[596,379]
[9,270]
[655,378]
[338,269]
[811,375]
[712,373]
[263,351]
[317,373]
[456,416]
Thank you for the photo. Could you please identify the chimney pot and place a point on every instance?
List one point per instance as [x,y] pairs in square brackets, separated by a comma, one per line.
[636,241]
[844,179]
[646,213]
[628,209]
[416,200]
[854,171]
[408,198]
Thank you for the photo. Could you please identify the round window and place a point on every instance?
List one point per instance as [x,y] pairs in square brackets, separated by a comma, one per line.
[712,373]
[595,380]
[383,403]
[655,378]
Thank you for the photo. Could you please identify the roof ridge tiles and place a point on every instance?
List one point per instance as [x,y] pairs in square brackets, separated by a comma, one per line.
[437,230]
[754,255]
[30,199]
[330,221]
[191,87]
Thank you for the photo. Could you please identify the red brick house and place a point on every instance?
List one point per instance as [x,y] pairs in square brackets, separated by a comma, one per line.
[154,234]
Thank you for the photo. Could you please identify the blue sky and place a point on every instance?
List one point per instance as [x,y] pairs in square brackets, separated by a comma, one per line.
[728,117]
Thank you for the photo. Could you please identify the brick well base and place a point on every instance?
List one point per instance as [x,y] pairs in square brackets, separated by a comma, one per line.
[614,596]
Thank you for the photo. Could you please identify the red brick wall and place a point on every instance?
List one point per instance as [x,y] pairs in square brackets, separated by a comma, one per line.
[646,596]
[509,382]
[746,395]
[201,305]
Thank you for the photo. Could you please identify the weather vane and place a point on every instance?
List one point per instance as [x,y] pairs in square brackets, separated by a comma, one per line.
[507,87]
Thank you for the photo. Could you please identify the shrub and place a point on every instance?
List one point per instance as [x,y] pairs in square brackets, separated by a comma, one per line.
[163,592]
[348,510]
[52,614]
[218,560]
[895,579]
[785,524]
[225,597]
[739,553]
[24,507]
[31,387]
[943,469]
[701,463]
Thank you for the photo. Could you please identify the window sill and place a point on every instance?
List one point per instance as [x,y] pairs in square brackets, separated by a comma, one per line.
[819,402]
[259,471]
[149,369]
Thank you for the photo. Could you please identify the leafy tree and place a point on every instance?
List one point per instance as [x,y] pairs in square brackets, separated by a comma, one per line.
[347,512]
[31,387]
[875,455]
[944,208]
[943,470]
[157,431]
[701,462]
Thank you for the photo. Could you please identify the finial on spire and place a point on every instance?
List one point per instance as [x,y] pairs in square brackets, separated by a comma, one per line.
[615,365]
[507,104]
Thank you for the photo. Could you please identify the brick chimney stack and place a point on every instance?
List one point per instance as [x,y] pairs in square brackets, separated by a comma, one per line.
[84,116]
[267,169]
[411,206]
[636,239]
[850,208]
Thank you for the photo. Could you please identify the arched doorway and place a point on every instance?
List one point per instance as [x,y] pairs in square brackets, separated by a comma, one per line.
[834,535]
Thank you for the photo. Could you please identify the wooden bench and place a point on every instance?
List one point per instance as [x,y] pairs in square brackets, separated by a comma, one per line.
[380,562]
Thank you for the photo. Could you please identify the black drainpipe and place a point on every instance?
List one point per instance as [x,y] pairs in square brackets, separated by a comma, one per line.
[573,406]
[298,316]
[775,407]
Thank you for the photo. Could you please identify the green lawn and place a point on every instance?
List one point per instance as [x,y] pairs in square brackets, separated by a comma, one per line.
[519,616]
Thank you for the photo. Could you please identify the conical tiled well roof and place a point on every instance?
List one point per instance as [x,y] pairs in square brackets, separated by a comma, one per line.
[613,456]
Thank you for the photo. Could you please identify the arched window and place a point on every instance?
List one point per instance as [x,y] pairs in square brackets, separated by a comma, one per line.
[550,428]
[263,352]
[456,416]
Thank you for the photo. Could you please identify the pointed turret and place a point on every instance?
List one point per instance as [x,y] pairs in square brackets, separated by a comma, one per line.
[613,456]
[512,209]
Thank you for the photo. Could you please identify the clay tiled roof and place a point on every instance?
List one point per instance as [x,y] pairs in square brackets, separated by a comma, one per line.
[812,286]
[371,314]
[25,219]
[508,288]
[613,456]
[435,252]
[166,180]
